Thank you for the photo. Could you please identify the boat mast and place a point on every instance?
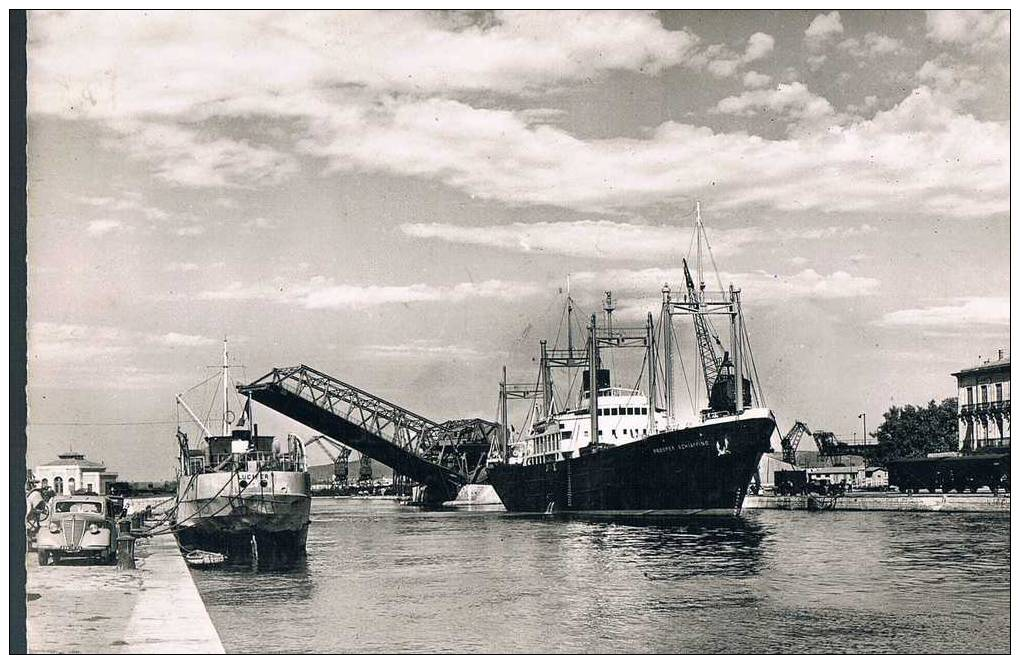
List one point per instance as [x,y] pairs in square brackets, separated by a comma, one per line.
[650,356]
[667,334]
[735,344]
[593,383]
[226,390]
[570,312]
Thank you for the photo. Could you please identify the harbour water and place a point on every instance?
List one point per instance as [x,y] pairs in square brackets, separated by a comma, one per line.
[382,577]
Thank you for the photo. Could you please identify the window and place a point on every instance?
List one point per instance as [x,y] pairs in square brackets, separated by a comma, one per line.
[984,393]
[970,395]
[998,392]
[614,434]
[70,486]
[615,411]
[88,487]
[88,508]
[58,485]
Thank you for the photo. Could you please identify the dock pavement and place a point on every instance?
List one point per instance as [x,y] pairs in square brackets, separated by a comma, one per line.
[88,608]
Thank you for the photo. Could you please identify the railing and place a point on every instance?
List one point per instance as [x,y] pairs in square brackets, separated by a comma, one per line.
[992,443]
[984,407]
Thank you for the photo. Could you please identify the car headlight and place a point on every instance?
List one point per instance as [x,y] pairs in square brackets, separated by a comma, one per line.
[54,527]
[94,528]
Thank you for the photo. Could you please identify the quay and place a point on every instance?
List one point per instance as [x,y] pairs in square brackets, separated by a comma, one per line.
[890,502]
[89,608]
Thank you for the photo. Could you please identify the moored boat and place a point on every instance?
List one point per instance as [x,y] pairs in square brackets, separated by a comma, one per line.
[628,452]
[240,494]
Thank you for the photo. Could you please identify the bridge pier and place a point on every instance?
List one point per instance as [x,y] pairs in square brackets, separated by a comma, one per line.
[431,496]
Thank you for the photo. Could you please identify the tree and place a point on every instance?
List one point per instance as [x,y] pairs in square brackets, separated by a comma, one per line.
[911,431]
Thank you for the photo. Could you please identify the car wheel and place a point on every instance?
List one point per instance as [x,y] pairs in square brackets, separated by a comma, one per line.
[44,557]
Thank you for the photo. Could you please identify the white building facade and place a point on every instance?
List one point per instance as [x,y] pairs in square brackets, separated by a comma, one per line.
[71,473]
[984,405]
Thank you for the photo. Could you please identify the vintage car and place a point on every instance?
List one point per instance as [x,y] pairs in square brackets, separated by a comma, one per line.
[79,526]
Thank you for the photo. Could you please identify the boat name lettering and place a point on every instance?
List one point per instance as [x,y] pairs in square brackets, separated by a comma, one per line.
[682,446]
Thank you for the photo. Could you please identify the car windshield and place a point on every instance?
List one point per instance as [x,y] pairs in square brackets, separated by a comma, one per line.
[79,506]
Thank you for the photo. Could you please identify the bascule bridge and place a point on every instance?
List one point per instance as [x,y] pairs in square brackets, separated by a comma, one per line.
[439,457]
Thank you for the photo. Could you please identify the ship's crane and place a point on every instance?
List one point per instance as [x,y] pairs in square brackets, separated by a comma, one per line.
[708,341]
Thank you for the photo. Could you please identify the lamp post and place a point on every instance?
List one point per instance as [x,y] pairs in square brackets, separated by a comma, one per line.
[864,417]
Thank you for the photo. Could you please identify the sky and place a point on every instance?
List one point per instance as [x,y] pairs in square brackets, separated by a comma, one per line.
[398,199]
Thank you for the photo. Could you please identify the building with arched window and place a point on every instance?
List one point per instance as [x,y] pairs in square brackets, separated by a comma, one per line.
[72,473]
[984,405]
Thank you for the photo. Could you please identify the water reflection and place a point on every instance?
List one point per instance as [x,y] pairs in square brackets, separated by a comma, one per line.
[388,578]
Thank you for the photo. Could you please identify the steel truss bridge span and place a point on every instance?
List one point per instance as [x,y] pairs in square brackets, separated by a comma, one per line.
[438,456]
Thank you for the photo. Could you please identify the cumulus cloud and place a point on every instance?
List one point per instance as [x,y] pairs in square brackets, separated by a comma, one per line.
[823,28]
[969,28]
[407,52]
[180,156]
[323,293]
[758,45]
[755,80]
[873,45]
[493,154]
[977,310]
[721,61]
[794,100]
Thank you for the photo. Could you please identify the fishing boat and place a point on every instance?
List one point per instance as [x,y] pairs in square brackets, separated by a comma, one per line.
[241,494]
[627,450]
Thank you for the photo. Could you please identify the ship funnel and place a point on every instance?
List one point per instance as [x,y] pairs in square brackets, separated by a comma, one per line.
[603,377]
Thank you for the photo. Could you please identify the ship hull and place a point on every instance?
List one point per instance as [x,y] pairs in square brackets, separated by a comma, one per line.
[234,514]
[699,470]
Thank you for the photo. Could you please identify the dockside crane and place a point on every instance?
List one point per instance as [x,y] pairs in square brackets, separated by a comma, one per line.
[827,443]
[791,441]
[339,461]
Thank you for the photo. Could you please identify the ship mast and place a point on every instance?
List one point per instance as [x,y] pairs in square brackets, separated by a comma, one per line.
[570,313]
[226,391]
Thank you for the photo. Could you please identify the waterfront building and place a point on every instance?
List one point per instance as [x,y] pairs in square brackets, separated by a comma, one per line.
[71,473]
[875,477]
[767,467]
[849,475]
[984,405]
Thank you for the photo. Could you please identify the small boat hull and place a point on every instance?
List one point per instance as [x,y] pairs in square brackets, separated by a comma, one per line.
[249,522]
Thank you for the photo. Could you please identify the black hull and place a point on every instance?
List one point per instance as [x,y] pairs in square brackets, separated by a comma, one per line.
[269,550]
[703,469]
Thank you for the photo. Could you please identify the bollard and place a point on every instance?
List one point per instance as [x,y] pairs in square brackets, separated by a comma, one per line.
[125,552]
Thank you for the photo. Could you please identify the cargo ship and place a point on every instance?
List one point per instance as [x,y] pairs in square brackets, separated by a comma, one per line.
[625,450]
[240,494]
